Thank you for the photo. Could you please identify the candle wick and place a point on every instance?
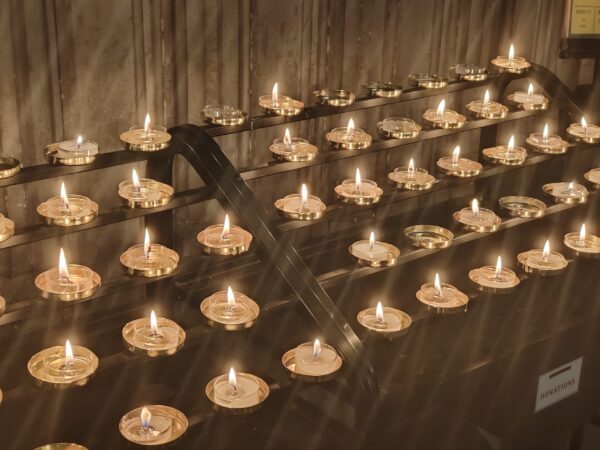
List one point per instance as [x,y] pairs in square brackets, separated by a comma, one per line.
[233,388]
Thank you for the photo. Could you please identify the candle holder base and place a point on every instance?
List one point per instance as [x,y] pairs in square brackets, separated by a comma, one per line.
[429,236]
[519,206]
[384,259]
[368,194]
[139,337]
[463,168]
[62,446]
[166,425]
[427,80]
[50,367]
[516,65]
[492,110]
[7,228]
[382,89]
[593,176]
[395,323]
[341,139]
[159,261]
[533,262]
[468,72]
[486,280]
[449,120]
[81,283]
[56,156]
[334,97]
[220,314]
[263,393]
[552,145]
[291,207]
[224,115]
[81,210]
[417,180]
[502,155]
[528,102]
[485,222]
[562,194]
[151,194]
[398,128]
[453,300]
[589,247]
[588,135]
[284,106]
[289,362]
[238,240]
[298,150]
[136,139]
[9,166]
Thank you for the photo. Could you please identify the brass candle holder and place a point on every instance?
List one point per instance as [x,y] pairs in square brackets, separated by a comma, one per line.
[547,143]
[224,239]
[153,425]
[542,261]
[584,132]
[63,367]
[7,228]
[427,80]
[9,166]
[312,361]
[442,298]
[280,105]
[358,191]
[154,336]
[62,446]
[237,393]
[230,310]
[459,167]
[67,282]
[149,260]
[334,97]
[480,220]
[224,115]
[593,176]
[528,101]
[384,321]
[67,210]
[520,206]
[507,155]
[486,108]
[74,152]
[292,148]
[2,305]
[444,118]
[583,244]
[511,63]
[144,192]
[411,178]
[468,72]
[398,128]
[494,280]
[301,206]
[373,253]
[429,236]
[383,89]
[146,138]
[566,192]
[348,138]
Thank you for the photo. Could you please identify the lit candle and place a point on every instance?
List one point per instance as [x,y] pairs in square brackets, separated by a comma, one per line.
[225,239]
[379,312]
[411,169]
[68,355]
[542,261]
[438,285]
[480,220]
[498,271]
[72,152]
[232,377]
[136,181]
[455,155]
[530,91]
[509,154]
[357,181]
[581,241]
[374,253]
[230,310]
[279,104]
[146,244]
[442,297]
[350,129]
[584,131]
[497,280]
[441,108]
[63,196]
[292,149]
[358,191]
[511,53]
[301,207]
[546,143]
[148,137]
[486,108]
[63,268]
[148,259]
[225,232]
[153,324]
[275,94]
[486,98]
[287,138]
[316,359]
[230,299]
[545,133]
[529,101]
[145,418]
[153,425]
[303,197]
[584,125]
[348,137]
[144,192]
[511,145]
[238,391]
[546,251]
[475,207]
[511,63]
[458,166]
[147,124]
[387,322]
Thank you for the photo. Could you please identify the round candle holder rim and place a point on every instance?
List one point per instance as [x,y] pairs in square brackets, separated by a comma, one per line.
[61,446]
[240,298]
[393,253]
[128,260]
[53,155]
[506,201]
[41,283]
[445,234]
[175,432]
[289,362]
[128,334]
[36,367]
[263,393]
[245,236]
[571,240]
[165,194]
[475,274]
[522,259]
[548,188]
[405,321]
[13,166]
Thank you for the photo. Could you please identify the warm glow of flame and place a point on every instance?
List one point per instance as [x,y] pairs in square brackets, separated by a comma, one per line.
[147,123]
[230,297]
[275,93]
[475,206]
[287,138]
[68,352]
[153,322]
[546,250]
[379,312]
[63,270]
[232,379]
[455,154]
[571,186]
[135,180]
[582,233]
[225,231]
[350,127]
[511,144]
[498,267]
[358,179]
[545,132]
[63,195]
[530,90]
[316,348]
[145,417]
[441,108]
[303,194]
[584,123]
[79,141]
[486,98]
[146,244]
[511,53]
[411,166]
[371,240]
[438,285]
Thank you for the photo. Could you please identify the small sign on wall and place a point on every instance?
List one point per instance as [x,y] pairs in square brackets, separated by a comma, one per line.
[558,384]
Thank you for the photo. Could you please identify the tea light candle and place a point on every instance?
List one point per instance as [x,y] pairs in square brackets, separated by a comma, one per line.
[358,191]
[508,155]
[67,282]
[153,425]
[411,178]
[292,148]
[281,105]
[373,253]
[224,115]
[67,210]
[149,260]
[155,336]
[444,118]
[230,310]
[62,446]
[398,128]
[301,206]
[383,89]
[429,236]
[442,297]
[312,361]
[387,322]
[547,143]
[542,261]
[584,132]
[63,367]
[144,192]
[237,392]
[459,167]
[480,220]
[486,108]
[564,192]
[593,176]
[468,72]
[224,239]
[72,152]
[519,206]
[7,228]
[9,166]
[583,244]
[528,101]
[427,80]
[498,280]
[334,97]
[348,138]
[511,63]
[146,138]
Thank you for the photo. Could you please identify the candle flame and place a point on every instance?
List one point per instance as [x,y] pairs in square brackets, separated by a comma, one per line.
[475,206]
[146,244]
[571,186]
[232,379]
[441,107]
[584,123]
[63,270]
[411,166]
[63,195]
[438,285]
[350,128]
[230,297]
[511,144]
[68,352]
[582,233]
[545,132]
[145,417]
[358,180]
[225,231]
[486,98]
[498,267]
[153,323]
[546,250]
[371,240]
[135,180]
[147,123]
[379,312]
[303,195]
[530,90]
[275,93]
[287,138]
[79,141]
[511,53]
[316,349]
[455,154]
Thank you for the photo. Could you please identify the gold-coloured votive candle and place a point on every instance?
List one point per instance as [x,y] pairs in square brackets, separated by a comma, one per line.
[444,118]
[301,206]
[410,178]
[542,261]
[584,132]
[566,192]
[398,128]
[67,282]
[153,425]
[7,228]
[520,206]
[511,63]
[237,392]
[334,97]
[154,336]
[358,191]
[427,80]
[62,446]
[383,89]
[442,297]
[348,138]
[583,244]
[384,321]
[312,361]
[280,105]
[230,310]
[547,143]
[508,155]
[146,138]
[593,176]
[9,166]
[144,192]
[429,236]
[374,253]
[63,366]
[486,108]
[292,148]
[528,101]
[457,166]
[224,239]
[149,259]
[224,115]
[468,72]
[494,279]
[74,152]
[480,220]
[67,210]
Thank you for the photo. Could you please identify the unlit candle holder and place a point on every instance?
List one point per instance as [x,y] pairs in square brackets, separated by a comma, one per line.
[384,321]
[230,310]
[429,236]
[583,244]
[444,118]
[9,166]
[237,393]
[494,279]
[74,152]
[7,228]
[224,115]
[584,132]
[292,149]
[153,425]
[334,97]
[54,367]
[566,192]
[348,138]
[442,298]
[427,80]
[468,72]
[145,192]
[373,253]
[146,138]
[154,336]
[520,206]
[479,220]
[542,261]
[593,176]
[398,128]
[223,239]
[383,89]
[313,362]
[62,446]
